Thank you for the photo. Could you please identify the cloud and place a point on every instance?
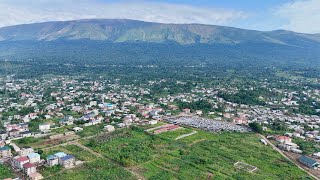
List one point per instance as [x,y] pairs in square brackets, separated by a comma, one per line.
[300,16]
[14,12]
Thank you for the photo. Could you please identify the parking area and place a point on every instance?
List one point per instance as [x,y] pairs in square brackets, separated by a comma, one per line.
[207,124]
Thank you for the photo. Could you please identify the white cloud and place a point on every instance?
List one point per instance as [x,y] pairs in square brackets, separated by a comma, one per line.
[14,12]
[300,16]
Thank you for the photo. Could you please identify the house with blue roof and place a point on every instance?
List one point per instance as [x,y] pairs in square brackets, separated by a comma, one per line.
[5,152]
[34,157]
[311,163]
[60,154]
[67,161]
[62,159]
[52,160]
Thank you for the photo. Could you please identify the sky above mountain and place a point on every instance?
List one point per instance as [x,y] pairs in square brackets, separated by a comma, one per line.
[295,15]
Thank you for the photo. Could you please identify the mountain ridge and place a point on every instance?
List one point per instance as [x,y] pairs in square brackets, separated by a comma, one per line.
[124,30]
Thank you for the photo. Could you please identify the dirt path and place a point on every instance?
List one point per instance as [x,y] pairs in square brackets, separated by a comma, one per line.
[186,135]
[195,142]
[279,151]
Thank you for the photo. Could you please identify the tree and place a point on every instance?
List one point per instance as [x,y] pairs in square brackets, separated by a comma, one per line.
[256,127]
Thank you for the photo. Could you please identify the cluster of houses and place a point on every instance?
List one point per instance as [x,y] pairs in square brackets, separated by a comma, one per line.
[15,131]
[61,158]
[96,102]
[27,162]
[285,143]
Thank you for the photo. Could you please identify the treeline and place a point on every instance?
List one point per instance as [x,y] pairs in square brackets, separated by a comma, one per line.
[203,105]
[248,97]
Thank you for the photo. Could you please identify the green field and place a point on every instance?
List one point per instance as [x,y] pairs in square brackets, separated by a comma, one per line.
[98,169]
[5,172]
[90,130]
[93,168]
[201,156]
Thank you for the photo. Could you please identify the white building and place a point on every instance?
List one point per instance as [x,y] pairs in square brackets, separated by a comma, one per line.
[152,122]
[34,157]
[25,151]
[44,127]
[109,128]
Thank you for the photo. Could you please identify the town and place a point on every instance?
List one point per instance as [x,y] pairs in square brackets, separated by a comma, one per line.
[45,113]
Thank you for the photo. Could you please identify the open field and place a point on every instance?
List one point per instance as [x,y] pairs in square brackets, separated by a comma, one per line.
[90,130]
[93,168]
[98,169]
[44,142]
[203,155]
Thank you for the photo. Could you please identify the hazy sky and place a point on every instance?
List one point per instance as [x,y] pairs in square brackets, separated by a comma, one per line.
[295,15]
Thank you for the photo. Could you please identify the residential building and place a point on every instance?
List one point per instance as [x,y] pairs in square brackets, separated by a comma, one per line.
[5,152]
[25,151]
[14,133]
[109,128]
[60,155]
[3,135]
[44,127]
[283,139]
[29,168]
[311,163]
[26,134]
[152,122]
[67,161]
[18,162]
[52,160]
[34,157]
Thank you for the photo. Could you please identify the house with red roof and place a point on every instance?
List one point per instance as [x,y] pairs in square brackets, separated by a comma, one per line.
[18,162]
[283,139]
[29,168]
[240,121]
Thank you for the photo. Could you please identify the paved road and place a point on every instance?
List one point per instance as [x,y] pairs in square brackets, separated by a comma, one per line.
[297,164]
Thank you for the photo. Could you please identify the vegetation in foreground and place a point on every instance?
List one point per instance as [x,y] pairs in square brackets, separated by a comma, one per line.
[5,172]
[93,167]
[202,155]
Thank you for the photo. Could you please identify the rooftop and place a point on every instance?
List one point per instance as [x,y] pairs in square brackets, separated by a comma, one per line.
[33,155]
[4,148]
[67,157]
[308,160]
[28,165]
[60,154]
[22,159]
[51,157]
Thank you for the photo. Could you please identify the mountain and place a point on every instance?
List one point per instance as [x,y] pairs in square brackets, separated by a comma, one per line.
[121,30]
